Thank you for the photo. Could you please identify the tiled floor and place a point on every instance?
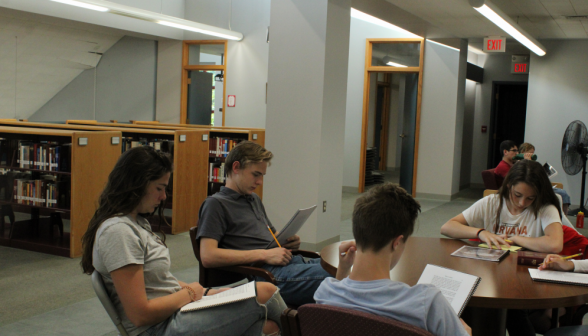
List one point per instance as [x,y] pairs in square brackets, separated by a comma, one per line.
[47,295]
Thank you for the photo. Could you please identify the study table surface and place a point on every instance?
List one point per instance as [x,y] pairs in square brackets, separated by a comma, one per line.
[504,284]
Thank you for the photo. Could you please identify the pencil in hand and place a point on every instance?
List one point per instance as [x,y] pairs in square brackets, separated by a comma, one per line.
[565,258]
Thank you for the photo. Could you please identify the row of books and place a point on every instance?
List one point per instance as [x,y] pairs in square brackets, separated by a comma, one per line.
[45,155]
[40,193]
[220,147]
[166,146]
[217,172]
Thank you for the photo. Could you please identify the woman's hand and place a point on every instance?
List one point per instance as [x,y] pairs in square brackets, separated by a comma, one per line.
[557,263]
[213,291]
[492,239]
[198,289]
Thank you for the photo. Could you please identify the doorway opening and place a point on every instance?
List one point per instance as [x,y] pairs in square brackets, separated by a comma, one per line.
[507,118]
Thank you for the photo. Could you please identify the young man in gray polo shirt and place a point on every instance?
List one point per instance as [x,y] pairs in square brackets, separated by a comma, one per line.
[234,228]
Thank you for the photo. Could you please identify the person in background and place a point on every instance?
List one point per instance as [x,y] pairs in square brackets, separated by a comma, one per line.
[527,148]
[509,150]
[134,262]
[383,220]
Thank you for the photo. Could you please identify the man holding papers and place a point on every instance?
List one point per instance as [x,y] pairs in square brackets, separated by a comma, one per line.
[234,229]
[383,219]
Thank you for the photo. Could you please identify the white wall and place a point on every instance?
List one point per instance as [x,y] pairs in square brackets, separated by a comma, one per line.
[247,60]
[496,68]
[557,96]
[169,81]
[440,122]
[359,32]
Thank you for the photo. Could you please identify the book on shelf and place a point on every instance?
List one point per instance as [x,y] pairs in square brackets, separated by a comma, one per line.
[41,193]
[43,155]
[239,293]
[220,147]
[217,172]
[530,258]
[480,253]
[457,287]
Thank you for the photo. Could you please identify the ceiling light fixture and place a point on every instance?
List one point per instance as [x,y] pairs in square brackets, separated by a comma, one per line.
[162,19]
[374,20]
[499,18]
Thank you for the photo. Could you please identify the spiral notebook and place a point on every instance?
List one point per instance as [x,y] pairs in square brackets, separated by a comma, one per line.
[569,278]
[456,286]
[239,293]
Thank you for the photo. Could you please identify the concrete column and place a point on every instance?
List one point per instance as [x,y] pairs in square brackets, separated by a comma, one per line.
[305,120]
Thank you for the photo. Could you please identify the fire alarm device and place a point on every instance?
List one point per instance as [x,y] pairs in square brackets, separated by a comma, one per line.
[231,99]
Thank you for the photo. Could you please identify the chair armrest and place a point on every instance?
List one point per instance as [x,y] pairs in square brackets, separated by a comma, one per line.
[307,254]
[290,323]
[250,270]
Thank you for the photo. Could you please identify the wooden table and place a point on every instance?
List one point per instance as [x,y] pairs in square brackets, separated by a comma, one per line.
[504,285]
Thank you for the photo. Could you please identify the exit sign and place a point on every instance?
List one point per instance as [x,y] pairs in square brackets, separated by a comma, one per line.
[494,44]
[520,65]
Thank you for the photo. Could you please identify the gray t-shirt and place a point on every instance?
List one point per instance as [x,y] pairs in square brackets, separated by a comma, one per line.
[421,305]
[120,242]
[236,221]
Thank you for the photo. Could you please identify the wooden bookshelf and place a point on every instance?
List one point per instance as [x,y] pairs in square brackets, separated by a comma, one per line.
[188,192]
[86,179]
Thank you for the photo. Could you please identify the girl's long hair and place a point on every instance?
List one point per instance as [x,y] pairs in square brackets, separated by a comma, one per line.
[126,186]
[533,174]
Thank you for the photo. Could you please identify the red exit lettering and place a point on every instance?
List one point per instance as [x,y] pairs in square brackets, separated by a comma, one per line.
[494,44]
[520,67]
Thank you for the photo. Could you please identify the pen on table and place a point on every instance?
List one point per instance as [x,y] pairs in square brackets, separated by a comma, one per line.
[565,258]
[270,230]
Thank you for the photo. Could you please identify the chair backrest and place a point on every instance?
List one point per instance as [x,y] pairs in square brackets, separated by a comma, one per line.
[325,320]
[102,295]
[491,180]
[557,185]
[210,277]
[489,192]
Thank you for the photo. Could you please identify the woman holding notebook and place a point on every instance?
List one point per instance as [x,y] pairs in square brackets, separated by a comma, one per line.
[134,262]
[524,212]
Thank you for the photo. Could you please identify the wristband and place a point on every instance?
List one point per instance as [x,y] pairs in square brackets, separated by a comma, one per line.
[478,234]
[206,291]
[191,292]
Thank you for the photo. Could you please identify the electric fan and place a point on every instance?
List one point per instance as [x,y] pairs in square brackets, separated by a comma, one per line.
[574,149]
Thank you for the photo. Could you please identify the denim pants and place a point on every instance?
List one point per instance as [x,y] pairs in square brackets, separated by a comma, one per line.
[565,197]
[245,318]
[298,280]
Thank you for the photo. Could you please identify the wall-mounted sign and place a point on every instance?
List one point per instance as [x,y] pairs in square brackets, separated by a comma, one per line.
[520,65]
[231,100]
[494,44]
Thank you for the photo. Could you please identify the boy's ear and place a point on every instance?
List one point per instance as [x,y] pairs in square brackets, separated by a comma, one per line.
[236,166]
[396,241]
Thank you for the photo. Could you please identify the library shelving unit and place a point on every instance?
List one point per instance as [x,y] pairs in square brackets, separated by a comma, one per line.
[187,193]
[47,188]
[213,162]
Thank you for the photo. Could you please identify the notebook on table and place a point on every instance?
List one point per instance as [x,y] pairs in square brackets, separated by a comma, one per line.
[239,293]
[566,278]
[457,287]
[292,227]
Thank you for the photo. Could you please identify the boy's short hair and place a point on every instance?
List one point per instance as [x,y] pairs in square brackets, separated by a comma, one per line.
[246,153]
[506,145]
[385,212]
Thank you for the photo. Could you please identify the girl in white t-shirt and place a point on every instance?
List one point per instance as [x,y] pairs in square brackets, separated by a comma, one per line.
[525,211]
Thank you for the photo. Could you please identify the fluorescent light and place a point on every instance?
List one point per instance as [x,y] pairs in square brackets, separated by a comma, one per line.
[397,65]
[197,30]
[374,20]
[145,15]
[494,14]
[441,44]
[83,5]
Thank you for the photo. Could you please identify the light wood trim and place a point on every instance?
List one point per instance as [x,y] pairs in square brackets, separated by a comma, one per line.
[113,121]
[417,127]
[118,127]
[489,192]
[205,67]
[189,173]
[154,122]
[35,131]
[88,179]
[81,121]
[260,141]
[385,121]
[184,88]
[372,69]
[557,185]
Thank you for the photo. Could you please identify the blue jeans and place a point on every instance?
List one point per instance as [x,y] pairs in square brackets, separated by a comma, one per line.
[565,198]
[298,280]
[240,318]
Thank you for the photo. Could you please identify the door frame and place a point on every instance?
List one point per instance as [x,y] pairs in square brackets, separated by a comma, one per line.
[366,92]
[186,67]
[384,120]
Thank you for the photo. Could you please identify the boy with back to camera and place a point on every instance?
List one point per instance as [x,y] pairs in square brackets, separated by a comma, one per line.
[383,219]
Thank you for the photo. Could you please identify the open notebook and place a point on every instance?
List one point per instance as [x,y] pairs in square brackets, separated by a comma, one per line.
[239,293]
[457,287]
[569,278]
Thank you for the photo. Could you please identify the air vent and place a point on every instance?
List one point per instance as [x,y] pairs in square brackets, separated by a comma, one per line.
[576,17]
